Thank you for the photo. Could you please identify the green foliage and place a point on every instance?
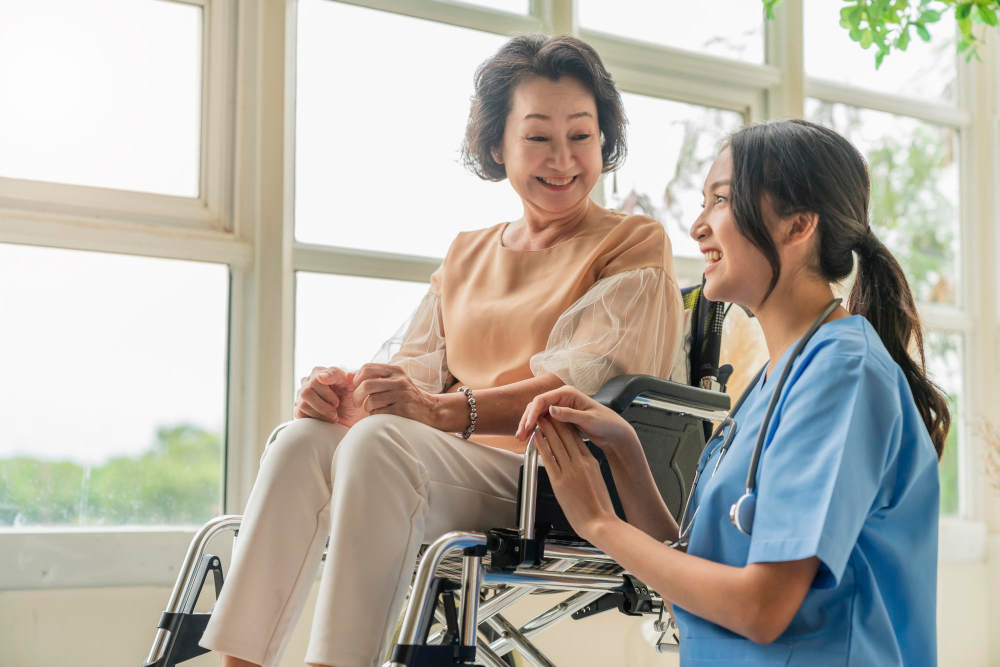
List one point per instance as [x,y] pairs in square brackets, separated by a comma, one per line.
[890,24]
[176,482]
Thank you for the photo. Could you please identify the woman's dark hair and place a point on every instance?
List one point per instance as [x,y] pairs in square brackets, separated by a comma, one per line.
[526,56]
[797,167]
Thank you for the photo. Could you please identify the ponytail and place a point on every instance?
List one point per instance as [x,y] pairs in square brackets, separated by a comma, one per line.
[798,167]
[882,295]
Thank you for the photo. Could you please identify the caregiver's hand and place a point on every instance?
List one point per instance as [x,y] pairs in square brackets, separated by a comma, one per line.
[328,394]
[576,478]
[387,389]
[601,425]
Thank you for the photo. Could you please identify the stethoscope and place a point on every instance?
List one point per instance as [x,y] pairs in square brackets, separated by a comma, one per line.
[742,512]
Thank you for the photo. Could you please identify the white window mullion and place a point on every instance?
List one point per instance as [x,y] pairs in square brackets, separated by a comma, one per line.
[684,65]
[123,237]
[934,112]
[457,14]
[218,126]
[262,297]
[786,98]
[365,263]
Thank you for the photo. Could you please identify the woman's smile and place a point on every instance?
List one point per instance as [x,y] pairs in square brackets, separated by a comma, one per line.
[557,184]
[712,258]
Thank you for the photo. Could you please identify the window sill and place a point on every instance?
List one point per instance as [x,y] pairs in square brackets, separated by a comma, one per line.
[82,558]
[78,558]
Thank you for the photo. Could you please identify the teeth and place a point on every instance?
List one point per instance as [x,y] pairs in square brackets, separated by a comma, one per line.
[551,181]
[713,256]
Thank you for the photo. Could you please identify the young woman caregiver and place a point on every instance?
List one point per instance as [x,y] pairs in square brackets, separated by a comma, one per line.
[815,541]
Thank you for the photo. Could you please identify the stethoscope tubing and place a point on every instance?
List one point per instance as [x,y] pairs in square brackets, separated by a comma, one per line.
[684,526]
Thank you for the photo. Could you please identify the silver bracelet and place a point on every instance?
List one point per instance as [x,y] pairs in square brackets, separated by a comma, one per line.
[472,412]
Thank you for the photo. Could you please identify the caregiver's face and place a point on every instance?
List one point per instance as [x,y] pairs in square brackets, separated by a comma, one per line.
[552,144]
[735,270]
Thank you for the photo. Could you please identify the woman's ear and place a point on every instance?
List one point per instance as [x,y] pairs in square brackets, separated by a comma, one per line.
[800,228]
[497,155]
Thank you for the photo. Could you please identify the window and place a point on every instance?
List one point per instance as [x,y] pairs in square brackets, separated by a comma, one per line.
[381,171]
[113,392]
[927,70]
[130,240]
[914,154]
[103,93]
[915,197]
[735,29]
[945,368]
[335,323]
[670,149]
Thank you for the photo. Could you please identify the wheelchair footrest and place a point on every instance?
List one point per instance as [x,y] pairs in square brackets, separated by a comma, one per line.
[187,627]
[415,655]
[185,633]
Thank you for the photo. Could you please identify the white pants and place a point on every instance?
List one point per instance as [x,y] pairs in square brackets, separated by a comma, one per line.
[379,490]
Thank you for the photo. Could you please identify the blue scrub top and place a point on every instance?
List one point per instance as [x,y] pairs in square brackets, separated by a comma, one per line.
[848,474]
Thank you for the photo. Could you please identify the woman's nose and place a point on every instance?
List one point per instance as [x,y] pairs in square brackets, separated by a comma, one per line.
[562,156]
[699,229]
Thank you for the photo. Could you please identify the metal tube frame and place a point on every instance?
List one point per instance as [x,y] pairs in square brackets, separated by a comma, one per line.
[182,595]
[529,490]
[472,580]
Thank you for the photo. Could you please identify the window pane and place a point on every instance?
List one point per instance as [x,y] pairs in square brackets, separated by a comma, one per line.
[915,211]
[944,367]
[374,170]
[104,93]
[113,391]
[726,28]
[926,69]
[335,324]
[513,6]
[671,147]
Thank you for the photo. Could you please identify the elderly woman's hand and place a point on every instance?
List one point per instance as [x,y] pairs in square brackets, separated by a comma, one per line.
[387,389]
[602,426]
[327,394]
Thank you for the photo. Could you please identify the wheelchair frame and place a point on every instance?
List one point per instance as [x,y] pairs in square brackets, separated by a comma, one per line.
[522,561]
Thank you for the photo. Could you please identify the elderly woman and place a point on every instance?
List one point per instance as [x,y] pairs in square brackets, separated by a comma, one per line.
[397,454]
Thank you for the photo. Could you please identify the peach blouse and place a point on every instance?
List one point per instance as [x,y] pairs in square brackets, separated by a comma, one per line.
[602,303]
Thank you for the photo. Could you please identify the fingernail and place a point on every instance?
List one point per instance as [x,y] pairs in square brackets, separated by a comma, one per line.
[325,375]
[554,410]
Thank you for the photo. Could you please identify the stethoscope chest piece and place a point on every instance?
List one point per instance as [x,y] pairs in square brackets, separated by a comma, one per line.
[741,514]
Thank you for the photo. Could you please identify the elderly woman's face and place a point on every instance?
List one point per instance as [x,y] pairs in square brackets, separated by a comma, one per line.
[552,143]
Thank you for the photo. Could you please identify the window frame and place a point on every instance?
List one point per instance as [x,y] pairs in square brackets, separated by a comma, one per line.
[212,208]
[244,219]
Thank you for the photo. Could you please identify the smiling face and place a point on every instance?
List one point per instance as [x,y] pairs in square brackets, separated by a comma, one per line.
[552,144]
[735,270]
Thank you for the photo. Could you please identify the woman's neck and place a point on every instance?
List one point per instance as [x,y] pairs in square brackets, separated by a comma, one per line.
[790,310]
[537,230]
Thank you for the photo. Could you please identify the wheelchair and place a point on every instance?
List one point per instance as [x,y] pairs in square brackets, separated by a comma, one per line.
[464,580]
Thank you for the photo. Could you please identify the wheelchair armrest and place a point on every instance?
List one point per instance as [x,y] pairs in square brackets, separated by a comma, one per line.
[618,393]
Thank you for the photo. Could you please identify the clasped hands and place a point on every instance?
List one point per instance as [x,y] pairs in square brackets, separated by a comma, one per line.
[331,395]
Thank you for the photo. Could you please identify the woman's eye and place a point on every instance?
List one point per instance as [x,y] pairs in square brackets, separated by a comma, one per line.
[719,199]
[536,138]
[581,137]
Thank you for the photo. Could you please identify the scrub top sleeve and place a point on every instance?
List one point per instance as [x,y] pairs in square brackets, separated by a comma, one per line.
[823,465]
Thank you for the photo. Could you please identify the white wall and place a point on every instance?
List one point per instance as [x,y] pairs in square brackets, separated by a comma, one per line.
[113,627]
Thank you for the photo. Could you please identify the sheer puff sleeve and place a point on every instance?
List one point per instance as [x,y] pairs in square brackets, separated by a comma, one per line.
[418,347]
[626,323]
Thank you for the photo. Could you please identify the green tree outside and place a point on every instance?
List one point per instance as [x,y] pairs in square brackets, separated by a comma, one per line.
[177,482]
